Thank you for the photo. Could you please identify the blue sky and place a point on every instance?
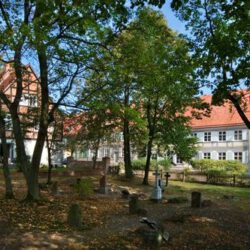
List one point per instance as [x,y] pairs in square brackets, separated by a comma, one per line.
[175,24]
[173,21]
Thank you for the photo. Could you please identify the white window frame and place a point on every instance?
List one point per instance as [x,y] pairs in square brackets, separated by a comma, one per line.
[238,135]
[207,136]
[238,156]
[222,156]
[222,135]
[29,100]
[178,160]
[207,155]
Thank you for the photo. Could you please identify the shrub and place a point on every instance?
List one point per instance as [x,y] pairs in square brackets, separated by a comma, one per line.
[84,187]
[141,163]
[215,169]
[165,164]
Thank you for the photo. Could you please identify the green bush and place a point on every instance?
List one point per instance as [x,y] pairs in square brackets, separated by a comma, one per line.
[84,187]
[141,163]
[165,164]
[215,169]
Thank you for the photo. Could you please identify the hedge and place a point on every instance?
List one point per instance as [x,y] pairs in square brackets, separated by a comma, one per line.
[215,169]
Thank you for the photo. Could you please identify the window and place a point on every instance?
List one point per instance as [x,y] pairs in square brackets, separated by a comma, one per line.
[222,135]
[106,152]
[238,135]
[207,136]
[222,155]
[8,121]
[207,155]
[32,100]
[194,135]
[29,100]
[178,160]
[238,156]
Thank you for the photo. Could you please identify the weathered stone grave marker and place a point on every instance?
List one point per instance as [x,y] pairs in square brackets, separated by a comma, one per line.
[103,180]
[54,188]
[196,199]
[75,216]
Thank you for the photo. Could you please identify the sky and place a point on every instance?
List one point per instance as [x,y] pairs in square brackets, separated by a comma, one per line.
[175,24]
[172,20]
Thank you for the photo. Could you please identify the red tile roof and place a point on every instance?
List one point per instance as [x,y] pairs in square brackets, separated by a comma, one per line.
[220,116]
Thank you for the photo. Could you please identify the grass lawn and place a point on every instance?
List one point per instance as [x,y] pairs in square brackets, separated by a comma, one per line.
[239,197]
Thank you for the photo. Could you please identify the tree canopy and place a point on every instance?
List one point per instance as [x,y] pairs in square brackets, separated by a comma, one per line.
[220,35]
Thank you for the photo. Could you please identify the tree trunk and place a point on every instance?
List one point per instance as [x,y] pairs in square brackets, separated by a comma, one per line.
[33,192]
[147,166]
[151,127]
[50,166]
[126,136]
[126,148]
[239,109]
[7,178]
[96,153]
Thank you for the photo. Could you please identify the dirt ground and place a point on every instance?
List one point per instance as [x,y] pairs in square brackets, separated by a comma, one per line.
[223,224]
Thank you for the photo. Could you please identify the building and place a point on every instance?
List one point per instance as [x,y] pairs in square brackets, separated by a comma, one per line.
[222,135]
[81,146]
[28,109]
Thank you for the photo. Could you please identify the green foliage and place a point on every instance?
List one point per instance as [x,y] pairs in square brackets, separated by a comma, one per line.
[220,167]
[220,39]
[84,187]
[141,163]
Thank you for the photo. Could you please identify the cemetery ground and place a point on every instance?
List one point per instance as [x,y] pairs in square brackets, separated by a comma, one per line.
[222,223]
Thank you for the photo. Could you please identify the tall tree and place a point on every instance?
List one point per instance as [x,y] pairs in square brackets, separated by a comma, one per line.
[58,38]
[220,35]
[149,79]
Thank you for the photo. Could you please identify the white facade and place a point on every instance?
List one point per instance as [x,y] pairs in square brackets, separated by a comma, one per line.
[29,148]
[223,143]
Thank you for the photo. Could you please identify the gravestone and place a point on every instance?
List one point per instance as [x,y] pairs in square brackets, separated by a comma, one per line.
[105,164]
[196,200]
[75,216]
[103,180]
[157,191]
[133,204]
[103,189]
[167,175]
[54,188]
[152,232]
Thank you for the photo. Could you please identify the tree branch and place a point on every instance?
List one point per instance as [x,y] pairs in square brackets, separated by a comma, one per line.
[5,16]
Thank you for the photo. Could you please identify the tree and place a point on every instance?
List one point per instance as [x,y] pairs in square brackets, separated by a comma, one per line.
[60,37]
[220,35]
[9,194]
[97,127]
[164,73]
[149,79]
[114,74]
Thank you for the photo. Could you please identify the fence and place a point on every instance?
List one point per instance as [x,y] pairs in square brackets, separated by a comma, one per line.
[199,177]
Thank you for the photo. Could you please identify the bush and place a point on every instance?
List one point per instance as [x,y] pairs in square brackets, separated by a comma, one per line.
[165,164]
[84,187]
[141,163]
[215,169]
